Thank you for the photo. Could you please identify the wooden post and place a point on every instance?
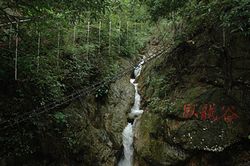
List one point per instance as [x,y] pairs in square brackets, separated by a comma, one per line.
[16,51]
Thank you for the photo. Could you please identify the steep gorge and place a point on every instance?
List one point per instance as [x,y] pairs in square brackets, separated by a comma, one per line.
[73,94]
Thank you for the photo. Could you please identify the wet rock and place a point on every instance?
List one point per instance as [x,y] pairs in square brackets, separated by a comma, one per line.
[150,145]
[116,108]
[191,117]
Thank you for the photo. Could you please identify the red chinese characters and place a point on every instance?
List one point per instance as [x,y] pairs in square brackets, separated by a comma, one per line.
[189,111]
[229,114]
[208,112]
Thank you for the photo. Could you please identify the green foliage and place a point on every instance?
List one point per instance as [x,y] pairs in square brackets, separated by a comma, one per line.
[70,58]
[230,14]
[163,8]
[161,106]
[46,9]
[237,17]
[60,117]
[81,60]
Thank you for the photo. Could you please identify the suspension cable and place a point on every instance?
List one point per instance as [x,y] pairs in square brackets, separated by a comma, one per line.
[83,92]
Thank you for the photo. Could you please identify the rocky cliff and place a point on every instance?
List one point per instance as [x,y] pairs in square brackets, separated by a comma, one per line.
[99,126]
[196,103]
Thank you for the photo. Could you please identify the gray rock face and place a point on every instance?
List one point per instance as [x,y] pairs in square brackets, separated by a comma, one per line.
[190,114]
[103,137]
[151,148]
[116,109]
[91,133]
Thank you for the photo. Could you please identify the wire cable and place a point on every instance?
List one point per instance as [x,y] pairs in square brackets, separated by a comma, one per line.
[83,92]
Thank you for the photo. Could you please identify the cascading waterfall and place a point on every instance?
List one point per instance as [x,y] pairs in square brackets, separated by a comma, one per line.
[128,134]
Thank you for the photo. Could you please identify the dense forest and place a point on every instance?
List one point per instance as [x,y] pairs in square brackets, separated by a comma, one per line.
[129,82]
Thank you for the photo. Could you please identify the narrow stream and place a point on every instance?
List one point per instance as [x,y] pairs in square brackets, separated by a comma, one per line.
[128,134]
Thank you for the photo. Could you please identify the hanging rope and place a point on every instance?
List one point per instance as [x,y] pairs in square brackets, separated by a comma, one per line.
[224,37]
[127,34]
[38,50]
[74,35]
[88,29]
[10,36]
[127,30]
[99,36]
[110,35]
[134,37]
[119,47]
[16,52]
[58,50]
[141,27]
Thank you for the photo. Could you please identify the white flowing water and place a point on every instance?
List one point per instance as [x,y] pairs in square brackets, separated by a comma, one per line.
[128,134]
